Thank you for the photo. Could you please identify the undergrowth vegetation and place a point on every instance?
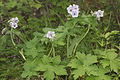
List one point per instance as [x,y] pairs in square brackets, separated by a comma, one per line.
[59,40]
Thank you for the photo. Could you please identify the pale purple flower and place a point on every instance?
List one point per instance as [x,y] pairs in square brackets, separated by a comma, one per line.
[98,14]
[75,7]
[69,9]
[50,35]
[14,22]
[75,13]
[73,10]
[13,25]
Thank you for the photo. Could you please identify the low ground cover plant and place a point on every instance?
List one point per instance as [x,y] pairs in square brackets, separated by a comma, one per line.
[59,40]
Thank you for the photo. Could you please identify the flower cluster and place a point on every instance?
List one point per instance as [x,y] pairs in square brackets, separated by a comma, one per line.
[13,22]
[73,10]
[50,35]
[98,14]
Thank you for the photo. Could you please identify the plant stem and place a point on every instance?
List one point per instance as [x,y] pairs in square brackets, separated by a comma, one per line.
[50,51]
[21,52]
[11,35]
[81,39]
[68,37]
[53,50]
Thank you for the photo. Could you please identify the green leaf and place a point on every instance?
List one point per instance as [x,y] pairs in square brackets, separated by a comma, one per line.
[105,63]
[46,59]
[74,63]
[91,70]
[80,56]
[101,74]
[112,56]
[115,65]
[83,64]
[56,60]
[49,75]
[28,74]
[41,67]
[86,59]
[59,70]
[32,43]
[90,59]
[31,52]
[78,72]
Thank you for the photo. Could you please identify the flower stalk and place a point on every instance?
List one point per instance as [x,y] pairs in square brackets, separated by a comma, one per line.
[74,50]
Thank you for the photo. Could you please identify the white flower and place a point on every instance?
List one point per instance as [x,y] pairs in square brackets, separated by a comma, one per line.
[75,13]
[69,9]
[73,10]
[13,25]
[75,7]
[14,20]
[98,14]
[50,34]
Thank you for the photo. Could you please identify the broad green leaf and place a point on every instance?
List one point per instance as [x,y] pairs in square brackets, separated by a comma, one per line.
[83,64]
[91,70]
[56,60]
[32,43]
[74,63]
[105,63]
[49,75]
[86,59]
[31,52]
[80,56]
[112,56]
[28,74]
[60,70]
[90,59]
[41,67]
[78,72]
[46,59]
[115,65]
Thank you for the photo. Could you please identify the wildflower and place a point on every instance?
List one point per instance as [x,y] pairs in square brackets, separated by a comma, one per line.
[13,25]
[98,14]
[73,10]
[69,9]
[13,22]
[75,13]
[50,35]
[75,7]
